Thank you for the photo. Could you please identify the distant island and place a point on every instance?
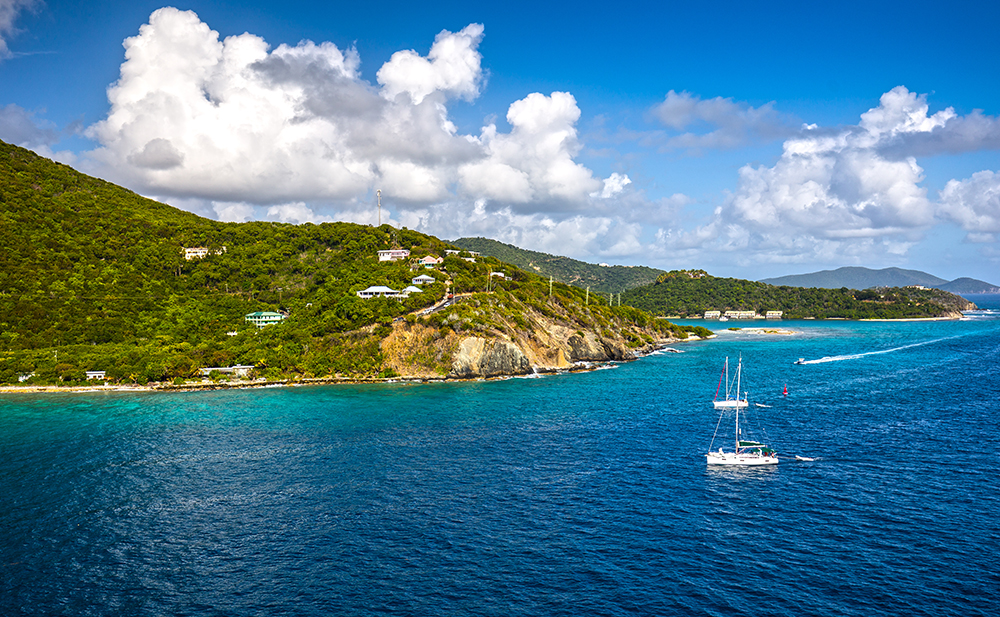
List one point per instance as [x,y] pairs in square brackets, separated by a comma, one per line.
[854,277]
[697,294]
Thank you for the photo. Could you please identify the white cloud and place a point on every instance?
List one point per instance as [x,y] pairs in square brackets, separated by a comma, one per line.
[452,67]
[19,127]
[296,213]
[9,11]
[835,192]
[729,124]
[230,121]
[974,203]
[233,212]
[613,185]
[534,162]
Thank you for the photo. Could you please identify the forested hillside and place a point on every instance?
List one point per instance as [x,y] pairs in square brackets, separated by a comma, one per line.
[600,279]
[691,293]
[93,277]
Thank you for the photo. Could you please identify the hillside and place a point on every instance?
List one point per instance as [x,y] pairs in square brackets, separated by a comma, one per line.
[600,279]
[854,277]
[692,293]
[94,277]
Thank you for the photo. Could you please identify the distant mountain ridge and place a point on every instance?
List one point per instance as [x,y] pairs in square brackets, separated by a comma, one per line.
[856,277]
[600,279]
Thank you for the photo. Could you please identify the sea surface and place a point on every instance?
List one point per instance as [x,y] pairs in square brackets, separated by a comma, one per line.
[582,494]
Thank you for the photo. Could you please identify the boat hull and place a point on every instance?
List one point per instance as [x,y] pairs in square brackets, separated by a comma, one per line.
[743,460]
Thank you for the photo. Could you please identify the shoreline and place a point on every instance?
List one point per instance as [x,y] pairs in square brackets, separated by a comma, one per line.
[208,386]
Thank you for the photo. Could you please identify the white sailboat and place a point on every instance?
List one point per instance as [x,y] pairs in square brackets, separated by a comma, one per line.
[746,452]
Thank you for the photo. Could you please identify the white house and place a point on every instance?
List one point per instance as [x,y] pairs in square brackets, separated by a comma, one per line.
[241,370]
[379,291]
[423,279]
[393,254]
[412,289]
[198,252]
[455,252]
[713,314]
[95,374]
[264,318]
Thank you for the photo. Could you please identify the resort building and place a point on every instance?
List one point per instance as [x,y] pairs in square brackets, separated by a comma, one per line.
[95,374]
[713,314]
[423,279]
[264,318]
[741,314]
[393,254]
[774,314]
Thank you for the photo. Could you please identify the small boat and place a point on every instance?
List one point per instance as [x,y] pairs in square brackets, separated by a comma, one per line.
[800,361]
[747,452]
[761,405]
[803,458]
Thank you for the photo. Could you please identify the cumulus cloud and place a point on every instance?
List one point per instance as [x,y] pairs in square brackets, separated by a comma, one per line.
[725,123]
[534,162]
[613,185]
[196,116]
[451,67]
[974,203]
[836,191]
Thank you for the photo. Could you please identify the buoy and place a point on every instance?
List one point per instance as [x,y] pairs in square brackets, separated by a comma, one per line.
[786,390]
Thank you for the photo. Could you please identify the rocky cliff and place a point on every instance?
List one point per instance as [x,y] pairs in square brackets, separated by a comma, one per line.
[484,338]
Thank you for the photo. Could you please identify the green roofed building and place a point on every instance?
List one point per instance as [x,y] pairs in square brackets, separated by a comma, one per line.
[264,318]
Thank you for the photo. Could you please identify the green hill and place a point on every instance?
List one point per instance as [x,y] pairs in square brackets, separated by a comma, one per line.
[94,277]
[600,279]
[692,293]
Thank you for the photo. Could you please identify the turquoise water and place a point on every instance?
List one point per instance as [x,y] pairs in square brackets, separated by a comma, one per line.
[583,494]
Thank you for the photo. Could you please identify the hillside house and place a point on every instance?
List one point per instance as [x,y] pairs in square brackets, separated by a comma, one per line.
[412,289]
[198,252]
[393,254]
[264,318]
[423,279]
[380,291]
[456,252]
[240,370]
[430,261]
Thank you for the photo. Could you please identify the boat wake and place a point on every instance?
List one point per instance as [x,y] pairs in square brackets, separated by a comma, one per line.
[855,356]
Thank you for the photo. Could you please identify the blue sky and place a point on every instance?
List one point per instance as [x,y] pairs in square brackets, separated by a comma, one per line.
[748,141]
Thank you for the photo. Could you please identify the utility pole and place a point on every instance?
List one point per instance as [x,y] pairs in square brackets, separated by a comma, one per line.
[378,193]
[550,289]
[588,296]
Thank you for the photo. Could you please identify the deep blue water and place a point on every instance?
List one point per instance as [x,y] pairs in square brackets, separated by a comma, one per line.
[582,494]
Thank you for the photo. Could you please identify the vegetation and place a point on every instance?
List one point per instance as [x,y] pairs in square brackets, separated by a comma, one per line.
[93,277]
[691,293]
[600,279]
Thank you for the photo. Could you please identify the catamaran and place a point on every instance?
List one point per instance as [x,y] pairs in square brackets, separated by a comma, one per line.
[746,452]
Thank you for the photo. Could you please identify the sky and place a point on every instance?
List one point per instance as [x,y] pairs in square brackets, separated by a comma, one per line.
[748,141]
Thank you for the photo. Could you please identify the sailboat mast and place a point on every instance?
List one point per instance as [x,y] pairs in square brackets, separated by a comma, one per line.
[739,370]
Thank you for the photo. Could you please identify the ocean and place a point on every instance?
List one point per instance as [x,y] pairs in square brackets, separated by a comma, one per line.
[575,494]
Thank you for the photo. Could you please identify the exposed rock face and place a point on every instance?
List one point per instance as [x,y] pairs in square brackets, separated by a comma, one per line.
[589,348]
[479,357]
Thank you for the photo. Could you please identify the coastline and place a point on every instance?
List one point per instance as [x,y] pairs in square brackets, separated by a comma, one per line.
[260,383]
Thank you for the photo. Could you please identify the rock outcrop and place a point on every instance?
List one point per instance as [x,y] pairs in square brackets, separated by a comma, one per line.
[480,357]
